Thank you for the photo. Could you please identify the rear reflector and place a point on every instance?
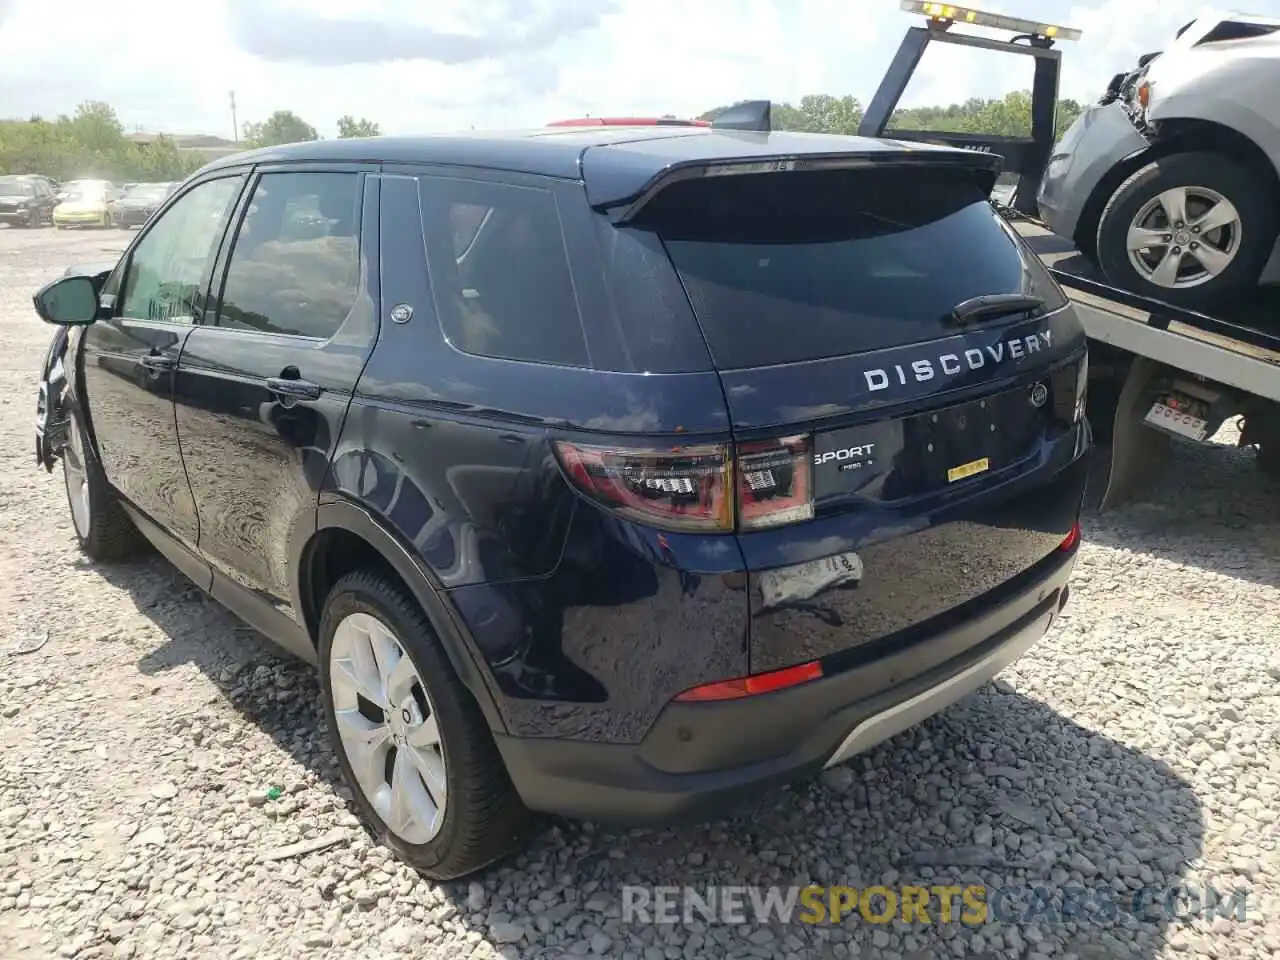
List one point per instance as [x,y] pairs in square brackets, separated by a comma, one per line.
[709,487]
[753,685]
[1072,538]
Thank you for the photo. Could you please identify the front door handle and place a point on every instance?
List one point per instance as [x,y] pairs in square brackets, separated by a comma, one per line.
[158,363]
[294,389]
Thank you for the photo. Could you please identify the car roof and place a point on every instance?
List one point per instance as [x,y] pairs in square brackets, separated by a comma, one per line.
[617,161]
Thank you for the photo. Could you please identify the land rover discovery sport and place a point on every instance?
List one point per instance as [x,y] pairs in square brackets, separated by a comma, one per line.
[608,471]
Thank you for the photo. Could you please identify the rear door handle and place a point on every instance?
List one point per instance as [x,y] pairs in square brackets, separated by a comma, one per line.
[294,389]
[158,363]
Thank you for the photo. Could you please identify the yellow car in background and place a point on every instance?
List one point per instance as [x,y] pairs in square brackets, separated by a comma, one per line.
[86,203]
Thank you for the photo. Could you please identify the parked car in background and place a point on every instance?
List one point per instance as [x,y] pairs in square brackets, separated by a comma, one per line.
[25,201]
[66,189]
[86,203]
[1171,182]
[594,483]
[138,202]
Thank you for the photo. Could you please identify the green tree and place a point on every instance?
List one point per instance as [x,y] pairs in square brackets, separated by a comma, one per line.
[90,143]
[1008,116]
[283,126]
[96,126]
[349,126]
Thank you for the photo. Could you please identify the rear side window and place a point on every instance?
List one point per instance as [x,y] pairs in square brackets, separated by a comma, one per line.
[783,268]
[499,272]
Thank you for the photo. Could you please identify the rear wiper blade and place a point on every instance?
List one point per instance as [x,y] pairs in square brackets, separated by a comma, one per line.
[994,305]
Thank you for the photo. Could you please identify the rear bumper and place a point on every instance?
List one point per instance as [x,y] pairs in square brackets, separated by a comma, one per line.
[700,757]
[15,216]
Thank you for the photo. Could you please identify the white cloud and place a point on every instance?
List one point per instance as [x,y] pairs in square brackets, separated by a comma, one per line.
[450,64]
[1114,33]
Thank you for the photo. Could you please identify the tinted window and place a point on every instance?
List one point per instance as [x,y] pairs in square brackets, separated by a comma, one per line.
[499,272]
[16,188]
[799,266]
[167,268]
[295,266]
[657,331]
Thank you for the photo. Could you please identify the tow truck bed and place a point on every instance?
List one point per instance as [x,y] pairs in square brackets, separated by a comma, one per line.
[1155,369]
[1242,352]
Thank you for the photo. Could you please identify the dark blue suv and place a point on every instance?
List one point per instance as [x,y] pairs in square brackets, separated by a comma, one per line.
[614,472]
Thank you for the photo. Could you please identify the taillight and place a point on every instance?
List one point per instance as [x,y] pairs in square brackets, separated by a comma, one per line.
[775,482]
[1071,539]
[708,487]
[678,488]
[753,685]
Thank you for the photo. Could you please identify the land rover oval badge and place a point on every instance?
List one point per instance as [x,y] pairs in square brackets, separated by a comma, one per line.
[1039,394]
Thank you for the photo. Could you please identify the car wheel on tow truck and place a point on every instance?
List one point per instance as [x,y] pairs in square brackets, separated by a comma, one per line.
[1191,229]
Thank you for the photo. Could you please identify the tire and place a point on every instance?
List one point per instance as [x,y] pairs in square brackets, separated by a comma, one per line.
[103,530]
[483,819]
[1240,249]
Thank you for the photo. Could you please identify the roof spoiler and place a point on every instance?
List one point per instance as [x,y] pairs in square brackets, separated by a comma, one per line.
[624,208]
[750,115]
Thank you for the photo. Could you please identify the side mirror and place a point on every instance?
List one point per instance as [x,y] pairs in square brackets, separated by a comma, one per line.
[68,302]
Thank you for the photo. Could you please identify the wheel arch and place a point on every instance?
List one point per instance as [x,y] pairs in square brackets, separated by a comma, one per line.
[348,537]
[1176,135]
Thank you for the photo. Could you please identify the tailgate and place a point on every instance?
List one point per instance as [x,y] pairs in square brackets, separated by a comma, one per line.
[904,381]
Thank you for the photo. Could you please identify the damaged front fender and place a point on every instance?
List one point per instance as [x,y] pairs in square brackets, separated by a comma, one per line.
[51,402]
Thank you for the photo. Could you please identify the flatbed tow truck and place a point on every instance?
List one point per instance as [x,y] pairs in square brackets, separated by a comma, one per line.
[1156,370]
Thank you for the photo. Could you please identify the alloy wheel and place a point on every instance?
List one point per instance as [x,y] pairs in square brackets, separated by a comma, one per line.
[76,474]
[387,728]
[1183,237]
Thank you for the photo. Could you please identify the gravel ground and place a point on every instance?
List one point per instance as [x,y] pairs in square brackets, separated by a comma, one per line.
[1139,744]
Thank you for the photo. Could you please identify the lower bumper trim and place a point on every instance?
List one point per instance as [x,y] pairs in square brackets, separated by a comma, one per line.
[879,727]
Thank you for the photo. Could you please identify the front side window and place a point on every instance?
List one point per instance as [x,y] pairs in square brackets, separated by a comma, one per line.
[165,277]
[295,265]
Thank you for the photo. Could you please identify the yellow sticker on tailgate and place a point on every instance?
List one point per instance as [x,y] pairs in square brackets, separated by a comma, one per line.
[968,469]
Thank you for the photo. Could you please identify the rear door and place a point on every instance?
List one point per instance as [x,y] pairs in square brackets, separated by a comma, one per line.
[901,379]
[264,382]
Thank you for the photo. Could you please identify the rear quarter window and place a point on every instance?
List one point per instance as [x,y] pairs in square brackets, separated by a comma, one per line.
[499,271]
[784,268]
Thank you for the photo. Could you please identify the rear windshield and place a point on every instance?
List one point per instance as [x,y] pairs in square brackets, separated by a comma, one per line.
[791,267]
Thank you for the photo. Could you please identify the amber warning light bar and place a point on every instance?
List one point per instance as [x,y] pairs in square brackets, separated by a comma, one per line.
[951,13]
